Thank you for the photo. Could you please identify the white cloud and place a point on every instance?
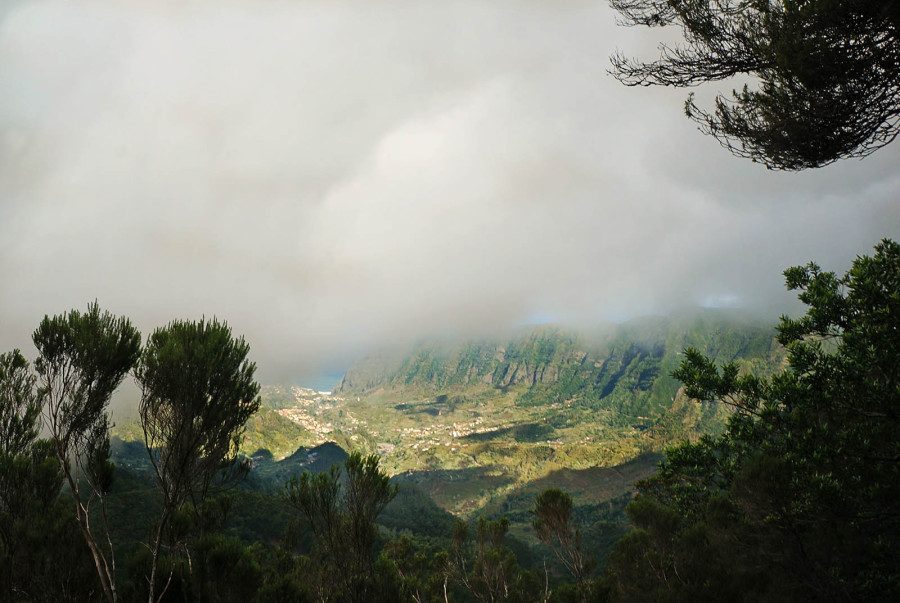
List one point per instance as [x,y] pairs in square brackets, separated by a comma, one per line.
[328,177]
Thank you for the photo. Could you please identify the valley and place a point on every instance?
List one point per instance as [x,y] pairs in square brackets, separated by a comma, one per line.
[474,423]
[480,428]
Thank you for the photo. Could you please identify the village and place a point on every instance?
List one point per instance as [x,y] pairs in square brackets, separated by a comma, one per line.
[322,414]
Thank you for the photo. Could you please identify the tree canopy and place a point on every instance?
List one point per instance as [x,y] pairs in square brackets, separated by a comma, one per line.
[20,407]
[827,73]
[553,526]
[42,556]
[340,506]
[799,499]
[83,358]
[197,393]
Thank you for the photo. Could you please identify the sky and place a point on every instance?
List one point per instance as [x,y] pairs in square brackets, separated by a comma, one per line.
[333,177]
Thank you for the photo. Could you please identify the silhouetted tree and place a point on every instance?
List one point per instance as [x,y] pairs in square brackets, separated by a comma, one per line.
[799,500]
[197,393]
[19,421]
[553,525]
[341,506]
[487,569]
[828,73]
[83,359]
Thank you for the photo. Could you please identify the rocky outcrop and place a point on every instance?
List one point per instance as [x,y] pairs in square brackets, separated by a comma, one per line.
[617,369]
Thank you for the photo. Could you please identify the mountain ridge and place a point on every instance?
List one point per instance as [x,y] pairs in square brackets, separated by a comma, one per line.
[625,368]
[501,412]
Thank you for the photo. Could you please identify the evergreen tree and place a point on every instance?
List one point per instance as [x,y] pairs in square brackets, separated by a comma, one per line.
[553,525]
[341,506]
[197,393]
[83,359]
[799,500]
[828,73]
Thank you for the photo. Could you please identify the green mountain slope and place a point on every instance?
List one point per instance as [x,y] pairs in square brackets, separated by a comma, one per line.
[623,369]
[271,431]
[480,425]
[473,421]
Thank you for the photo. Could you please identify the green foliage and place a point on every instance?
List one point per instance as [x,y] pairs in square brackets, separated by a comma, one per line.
[45,558]
[225,571]
[82,360]
[552,514]
[197,393]
[342,514]
[37,531]
[269,430]
[414,511]
[415,576]
[798,499]
[827,73]
[220,569]
[20,408]
[553,525]
[487,568]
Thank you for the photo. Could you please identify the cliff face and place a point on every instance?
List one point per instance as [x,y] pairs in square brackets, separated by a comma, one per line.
[624,368]
[530,358]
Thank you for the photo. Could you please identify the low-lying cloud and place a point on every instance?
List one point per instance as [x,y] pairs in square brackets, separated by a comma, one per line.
[331,177]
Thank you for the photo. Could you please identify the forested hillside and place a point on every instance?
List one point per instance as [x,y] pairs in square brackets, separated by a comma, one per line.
[481,427]
[505,500]
[492,415]
[624,368]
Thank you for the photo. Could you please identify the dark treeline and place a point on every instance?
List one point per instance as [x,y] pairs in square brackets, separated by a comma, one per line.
[796,501]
